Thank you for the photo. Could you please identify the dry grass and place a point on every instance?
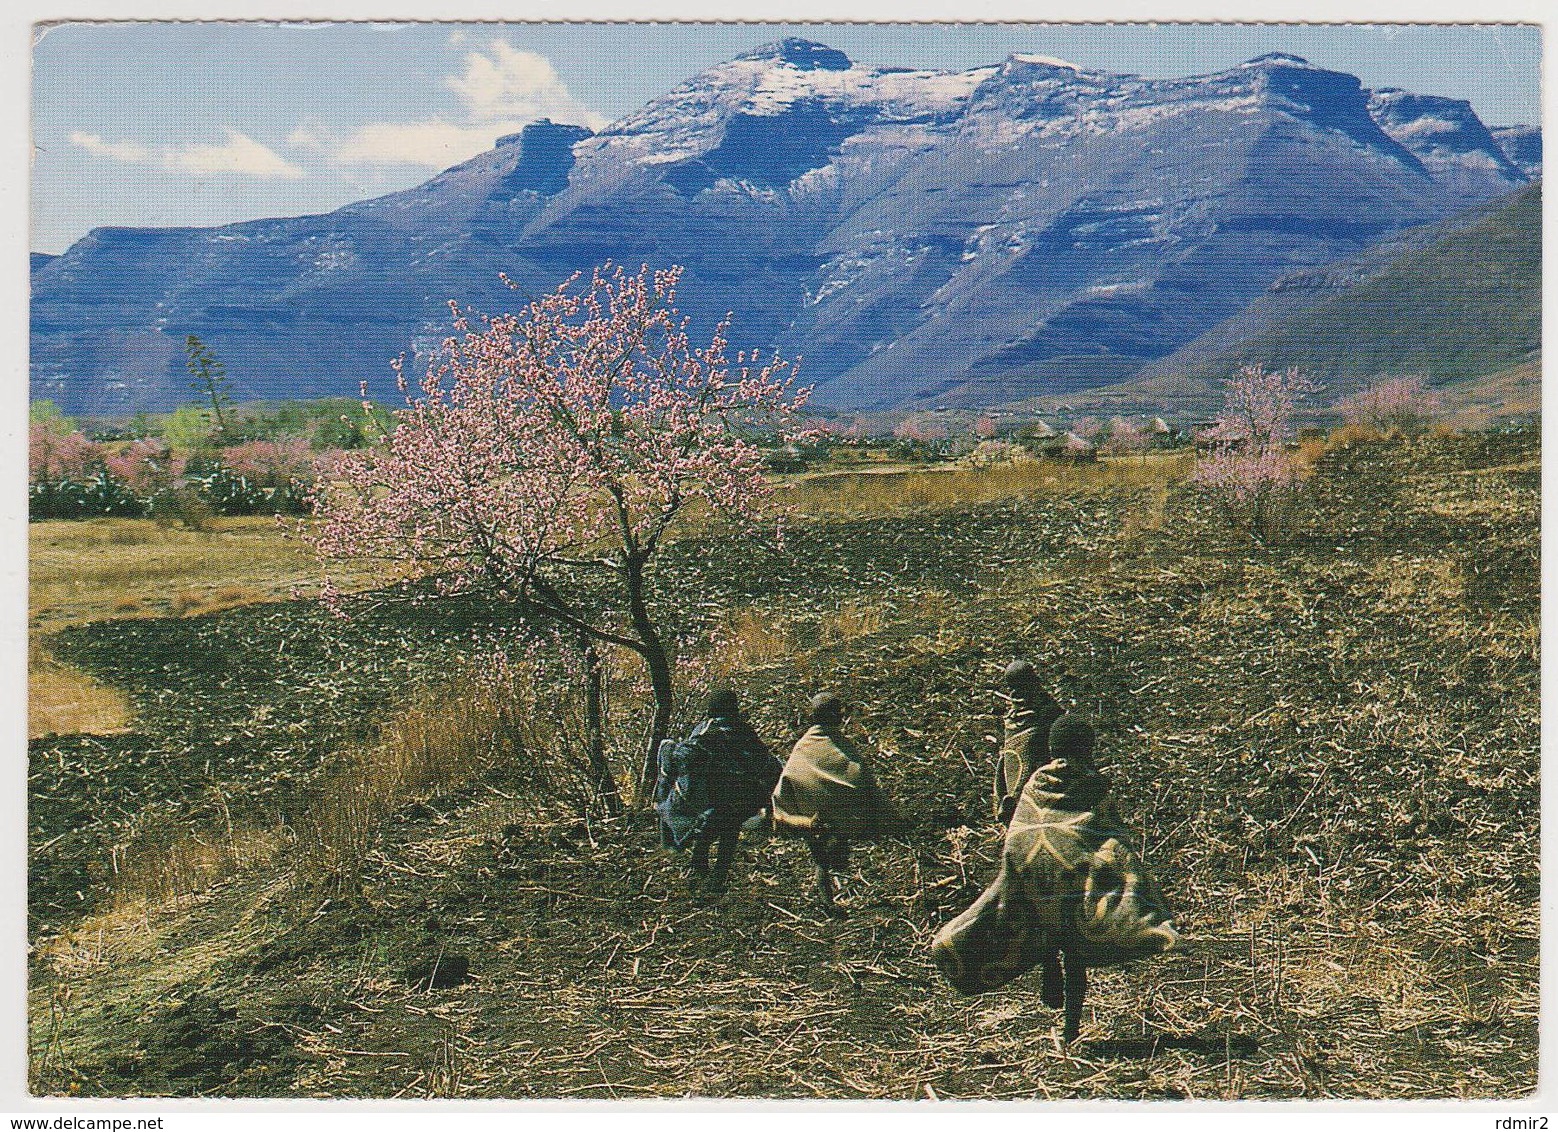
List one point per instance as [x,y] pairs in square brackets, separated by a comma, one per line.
[1347,435]
[450,738]
[429,750]
[860,619]
[62,700]
[212,598]
[1149,515]
[86,570]
[169,862]
[753,637]
[896,491]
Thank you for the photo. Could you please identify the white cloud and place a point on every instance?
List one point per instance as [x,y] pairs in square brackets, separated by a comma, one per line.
[433,143]
[513,84]
[119,151]
[240,154]
[308,135]
[502,91]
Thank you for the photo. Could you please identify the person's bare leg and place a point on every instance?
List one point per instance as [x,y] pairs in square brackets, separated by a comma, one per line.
[1053,993]
[826,892]
[698,869]
[724,855]
[1076,991]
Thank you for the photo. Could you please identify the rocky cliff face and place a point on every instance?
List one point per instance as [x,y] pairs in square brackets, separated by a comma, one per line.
[919,237]
[1523,146]
[1446,135]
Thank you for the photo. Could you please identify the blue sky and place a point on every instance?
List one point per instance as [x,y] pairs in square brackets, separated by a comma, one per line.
[210,123]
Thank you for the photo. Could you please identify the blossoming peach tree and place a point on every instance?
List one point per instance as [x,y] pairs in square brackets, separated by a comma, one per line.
[549,453]
[1246,464]
[1398,404]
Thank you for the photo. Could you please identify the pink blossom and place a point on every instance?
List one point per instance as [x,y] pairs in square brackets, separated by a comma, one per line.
[920,431]
[144,467]
[1124,439]
[266,463]
[1399,404]
[56,457]
[563,442]
[1247,465]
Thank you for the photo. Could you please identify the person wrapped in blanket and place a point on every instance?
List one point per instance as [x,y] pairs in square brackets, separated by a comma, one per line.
[1030,713]
[1072,891]
[712,783]
[828,795]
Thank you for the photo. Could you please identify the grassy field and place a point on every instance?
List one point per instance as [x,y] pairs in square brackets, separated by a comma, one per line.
[83,571]
[1328,748]
[134,568]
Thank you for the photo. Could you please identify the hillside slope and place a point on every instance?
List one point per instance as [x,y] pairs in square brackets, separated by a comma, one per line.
[1453,303]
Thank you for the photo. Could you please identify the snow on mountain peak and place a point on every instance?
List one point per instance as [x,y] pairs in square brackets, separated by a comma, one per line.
[804,54]
[1277,57]
[1048,61]
[893,93]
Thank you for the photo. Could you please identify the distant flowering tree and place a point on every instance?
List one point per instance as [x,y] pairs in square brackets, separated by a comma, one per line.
[987,428]
[67,478]
[276,464]
[1398,404]
[549,453]
[1245,462]
[920,431]
[1087,427]
[1123,439]
[54,455]
[146,468]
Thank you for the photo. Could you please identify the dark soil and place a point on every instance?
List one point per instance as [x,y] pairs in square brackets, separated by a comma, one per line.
[1329,748]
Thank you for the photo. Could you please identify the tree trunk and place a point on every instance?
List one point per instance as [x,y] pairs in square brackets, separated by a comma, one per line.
[658,662]
[601,778]
[659,666]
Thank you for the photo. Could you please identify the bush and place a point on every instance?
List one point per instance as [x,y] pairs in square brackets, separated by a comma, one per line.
[71,477]
[1247,466]
[97,494]
[1398,405]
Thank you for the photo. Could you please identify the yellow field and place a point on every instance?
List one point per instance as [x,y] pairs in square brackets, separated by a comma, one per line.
[92,569]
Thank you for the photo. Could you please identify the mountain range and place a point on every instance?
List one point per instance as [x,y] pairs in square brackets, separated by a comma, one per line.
[920,238]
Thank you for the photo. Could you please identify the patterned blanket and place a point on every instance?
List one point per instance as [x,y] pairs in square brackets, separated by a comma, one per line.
[826,782]
[1025,747]
[1070,878]
[717,778]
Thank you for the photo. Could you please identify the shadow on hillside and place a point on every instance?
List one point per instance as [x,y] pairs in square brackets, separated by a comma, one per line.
[1149,1045]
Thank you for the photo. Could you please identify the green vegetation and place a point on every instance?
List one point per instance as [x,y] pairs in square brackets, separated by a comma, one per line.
[48,414]
[1468,304]
[187,429]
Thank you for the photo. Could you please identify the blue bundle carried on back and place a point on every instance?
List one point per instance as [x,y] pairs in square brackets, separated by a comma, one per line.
[681,790]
